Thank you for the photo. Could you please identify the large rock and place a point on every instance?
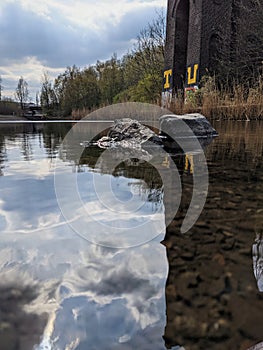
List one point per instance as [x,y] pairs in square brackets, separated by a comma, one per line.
[130,134]
[186,125]
[127,133]
[127,128]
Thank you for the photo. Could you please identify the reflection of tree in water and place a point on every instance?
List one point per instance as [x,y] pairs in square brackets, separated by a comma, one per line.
[149,187]
[2,154]
[26,147]
[238,141]
[53,135]
[50,137]
[139,167]
[154,195]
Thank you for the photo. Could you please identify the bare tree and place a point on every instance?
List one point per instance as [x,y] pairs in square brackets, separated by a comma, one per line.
[1,88]
[22,92]
[143,66]
[46,91]
[148,52]
[37,98]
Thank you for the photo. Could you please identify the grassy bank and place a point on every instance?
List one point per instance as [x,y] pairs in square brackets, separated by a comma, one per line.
[239,102]
[8,107]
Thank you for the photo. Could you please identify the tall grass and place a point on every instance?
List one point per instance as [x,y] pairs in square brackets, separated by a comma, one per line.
[238,102]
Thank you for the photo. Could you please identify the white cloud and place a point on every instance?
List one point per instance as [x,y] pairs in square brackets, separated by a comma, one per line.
[40,8]
[54,34]
[89,14]
[31,68]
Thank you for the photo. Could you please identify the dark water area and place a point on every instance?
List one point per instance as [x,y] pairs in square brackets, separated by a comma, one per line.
[71,279]
[214,288]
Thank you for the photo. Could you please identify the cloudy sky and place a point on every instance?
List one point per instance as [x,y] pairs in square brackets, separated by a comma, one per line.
[49,35]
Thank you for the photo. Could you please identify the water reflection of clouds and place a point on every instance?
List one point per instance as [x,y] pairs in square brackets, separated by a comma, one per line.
[92,210]
[103,297]
[28,204]
[106,300]
[38,168]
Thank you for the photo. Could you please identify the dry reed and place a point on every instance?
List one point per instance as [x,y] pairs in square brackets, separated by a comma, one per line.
[236,103]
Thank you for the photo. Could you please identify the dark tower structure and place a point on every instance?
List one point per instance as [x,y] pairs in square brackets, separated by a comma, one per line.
[208,35]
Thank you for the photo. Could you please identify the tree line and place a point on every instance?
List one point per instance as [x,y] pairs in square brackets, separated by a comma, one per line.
[137,76]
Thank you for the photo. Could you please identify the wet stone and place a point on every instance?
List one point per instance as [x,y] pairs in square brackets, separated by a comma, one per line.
[188,255]
[219,258]
[197,124]
[229,244]
[245,251]
[220,330]
[190,327]
[211,271]
[227,233]
[217,287]
[179,263]
[209,240]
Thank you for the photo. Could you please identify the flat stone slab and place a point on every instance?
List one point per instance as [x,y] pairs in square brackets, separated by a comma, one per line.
[186,125]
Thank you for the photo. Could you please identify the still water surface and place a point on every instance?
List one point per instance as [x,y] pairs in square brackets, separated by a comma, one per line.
[61,291]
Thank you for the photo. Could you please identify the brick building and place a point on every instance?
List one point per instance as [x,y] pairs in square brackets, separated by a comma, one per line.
[202,33]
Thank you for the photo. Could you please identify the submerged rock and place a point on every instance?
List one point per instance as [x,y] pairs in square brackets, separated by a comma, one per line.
[186,125]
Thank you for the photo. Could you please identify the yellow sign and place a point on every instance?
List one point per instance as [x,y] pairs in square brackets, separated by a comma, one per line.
[192,79]
[167,74]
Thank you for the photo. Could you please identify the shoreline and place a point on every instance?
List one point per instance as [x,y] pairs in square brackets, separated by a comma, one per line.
[16,118]
[10,117]
[214,114]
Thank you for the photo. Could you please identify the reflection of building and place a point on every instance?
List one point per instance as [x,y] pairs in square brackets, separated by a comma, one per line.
[2,154]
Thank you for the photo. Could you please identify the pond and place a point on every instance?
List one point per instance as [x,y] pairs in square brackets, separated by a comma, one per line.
[86,259]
